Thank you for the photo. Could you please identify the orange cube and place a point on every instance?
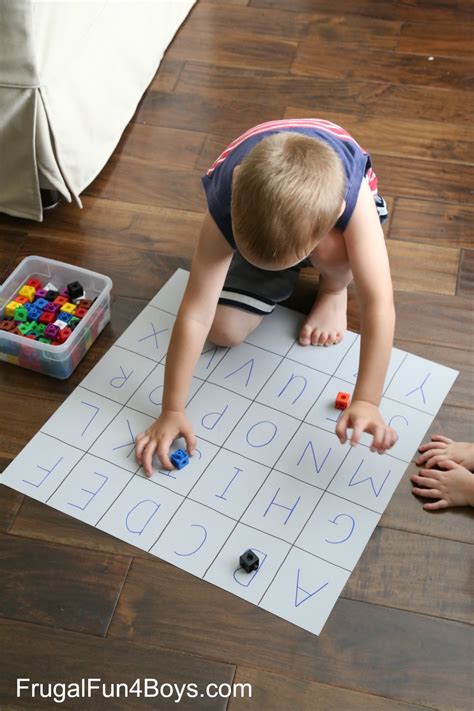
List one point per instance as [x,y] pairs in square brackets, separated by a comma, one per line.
[342,400]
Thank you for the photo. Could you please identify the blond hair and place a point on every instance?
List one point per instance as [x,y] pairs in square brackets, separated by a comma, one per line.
[287,193]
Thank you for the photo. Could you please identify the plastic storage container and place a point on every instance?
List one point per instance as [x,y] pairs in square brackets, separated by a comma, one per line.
[57,361]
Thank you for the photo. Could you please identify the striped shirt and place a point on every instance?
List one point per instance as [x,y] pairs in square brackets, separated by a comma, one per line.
[217,182]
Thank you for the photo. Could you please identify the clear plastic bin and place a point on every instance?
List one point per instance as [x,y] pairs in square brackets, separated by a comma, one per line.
[57,361]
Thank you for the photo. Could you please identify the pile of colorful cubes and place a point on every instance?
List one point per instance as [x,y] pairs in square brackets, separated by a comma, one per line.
[45,313]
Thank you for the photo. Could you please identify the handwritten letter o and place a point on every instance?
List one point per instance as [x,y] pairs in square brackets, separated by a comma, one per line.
[267,433]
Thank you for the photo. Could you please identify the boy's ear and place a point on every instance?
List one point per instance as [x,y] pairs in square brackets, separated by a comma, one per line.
[236,169]
[343,207]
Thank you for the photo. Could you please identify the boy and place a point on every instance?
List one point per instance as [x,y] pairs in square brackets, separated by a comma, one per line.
[282,194]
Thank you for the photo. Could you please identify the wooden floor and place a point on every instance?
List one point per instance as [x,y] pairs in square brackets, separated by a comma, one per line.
[75,602]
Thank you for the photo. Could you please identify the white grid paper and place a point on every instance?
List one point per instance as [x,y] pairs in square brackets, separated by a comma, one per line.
[269,473]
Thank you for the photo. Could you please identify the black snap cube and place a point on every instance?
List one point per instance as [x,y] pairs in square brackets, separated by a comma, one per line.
[75,290]
[249,561]
[51,294]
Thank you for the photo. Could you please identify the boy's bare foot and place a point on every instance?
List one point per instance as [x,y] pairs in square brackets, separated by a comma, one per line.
[451,484]
[326,323]
[442,448]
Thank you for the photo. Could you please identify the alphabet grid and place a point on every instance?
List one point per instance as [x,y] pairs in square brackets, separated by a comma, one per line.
[269,473]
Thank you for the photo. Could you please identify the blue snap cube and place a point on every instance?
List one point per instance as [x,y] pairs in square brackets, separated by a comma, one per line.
[34,314]
[40,303]
[64,316]
[179,459]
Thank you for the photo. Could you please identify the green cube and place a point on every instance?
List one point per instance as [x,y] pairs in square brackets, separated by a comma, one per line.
[24,328]
[21,314]
[41,339]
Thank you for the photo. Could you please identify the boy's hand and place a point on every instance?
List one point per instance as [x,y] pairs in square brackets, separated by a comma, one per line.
[442,448]
[451,484]
[361,417]
[159,436]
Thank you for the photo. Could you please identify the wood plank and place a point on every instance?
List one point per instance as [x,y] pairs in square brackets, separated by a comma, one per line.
[167,75]
[11,240]
[425,179]
[280,693]
[405,511]
[149,185]
[415,11]
[20,421]
[316,95]
[449,39]
[219,18]
[225,48]
[466,274]
[224,116]
[269,643]
[59,586]
[56,656]
[431,222]
[397,136]
[159,146]
[224,2]
[354,31]
[121,225]
[370,64]
[36,520]
[422,267]
[433,318]
[134,272]
[385,575]
[10,502]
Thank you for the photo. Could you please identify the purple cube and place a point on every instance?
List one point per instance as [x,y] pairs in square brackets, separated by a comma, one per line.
[64,292]
[51,308]
[52,331]
[41,293]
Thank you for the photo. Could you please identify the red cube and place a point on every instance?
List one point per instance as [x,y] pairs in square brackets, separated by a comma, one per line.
[35,283]
[47,317]
[64,334]
[342,400]
[80,312]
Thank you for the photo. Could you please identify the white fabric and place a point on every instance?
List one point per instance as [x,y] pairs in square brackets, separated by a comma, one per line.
[71,76]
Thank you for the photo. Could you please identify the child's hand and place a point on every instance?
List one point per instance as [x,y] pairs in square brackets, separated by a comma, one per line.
[442,448]
[361,417]
[159,436]
[454,486]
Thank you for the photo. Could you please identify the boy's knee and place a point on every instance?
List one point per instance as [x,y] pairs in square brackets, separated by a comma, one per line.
[224,335]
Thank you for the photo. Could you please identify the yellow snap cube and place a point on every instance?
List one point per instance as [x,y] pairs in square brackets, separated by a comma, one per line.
[69,308]
[10,308]
[28,291]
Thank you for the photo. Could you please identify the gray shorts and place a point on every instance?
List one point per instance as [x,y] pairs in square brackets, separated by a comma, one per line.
[258,290]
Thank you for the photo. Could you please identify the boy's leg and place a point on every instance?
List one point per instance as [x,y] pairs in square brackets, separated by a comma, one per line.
[326,323]
[248,295]
[232,325]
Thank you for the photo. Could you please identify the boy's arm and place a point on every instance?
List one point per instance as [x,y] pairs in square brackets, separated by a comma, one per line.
[209,268]
[365,245]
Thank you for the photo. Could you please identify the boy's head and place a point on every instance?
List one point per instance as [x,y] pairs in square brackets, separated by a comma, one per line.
[287,194]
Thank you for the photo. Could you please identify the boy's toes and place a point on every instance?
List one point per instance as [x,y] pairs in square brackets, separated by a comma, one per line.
[323,337]
[331,339]
[305,335]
